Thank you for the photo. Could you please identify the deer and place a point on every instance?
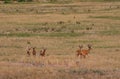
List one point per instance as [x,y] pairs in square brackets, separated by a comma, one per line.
[83,52]
[79,51]
[34,51]
[42,52]
[28,51]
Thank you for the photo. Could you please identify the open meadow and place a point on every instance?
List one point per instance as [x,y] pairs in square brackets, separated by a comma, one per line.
[60,28]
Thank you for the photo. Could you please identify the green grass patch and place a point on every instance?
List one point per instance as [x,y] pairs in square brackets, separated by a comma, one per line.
[61,34]
[84,41]
[17,35]
[107,46]
[107,17]
[41,34]
[110,32]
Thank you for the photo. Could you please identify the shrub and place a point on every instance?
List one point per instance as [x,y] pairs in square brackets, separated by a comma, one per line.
[24,0]
[7,1]
[21,0]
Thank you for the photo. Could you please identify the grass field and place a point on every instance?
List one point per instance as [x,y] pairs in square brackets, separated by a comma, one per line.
[60,28]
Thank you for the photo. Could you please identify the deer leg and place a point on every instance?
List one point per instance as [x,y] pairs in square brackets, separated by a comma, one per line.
[84,56]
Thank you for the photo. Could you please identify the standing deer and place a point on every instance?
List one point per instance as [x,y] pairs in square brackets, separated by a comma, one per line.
[42,52]
[79,51]
[34,51]
[28,51]
[83,52]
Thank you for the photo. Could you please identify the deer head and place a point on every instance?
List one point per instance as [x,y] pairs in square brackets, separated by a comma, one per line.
[89,46]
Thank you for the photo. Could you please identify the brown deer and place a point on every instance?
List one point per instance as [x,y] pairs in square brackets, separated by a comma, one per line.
[28,51]
[34,51]
[43,52]
[79,50]
[83,52]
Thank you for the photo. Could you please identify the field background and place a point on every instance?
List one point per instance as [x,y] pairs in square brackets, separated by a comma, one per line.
[61,28]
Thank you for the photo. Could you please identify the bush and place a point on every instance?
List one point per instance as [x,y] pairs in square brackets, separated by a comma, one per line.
[7,1]
[21,0]
[25,0]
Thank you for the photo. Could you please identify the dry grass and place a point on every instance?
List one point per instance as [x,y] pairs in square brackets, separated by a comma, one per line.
[60,34]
